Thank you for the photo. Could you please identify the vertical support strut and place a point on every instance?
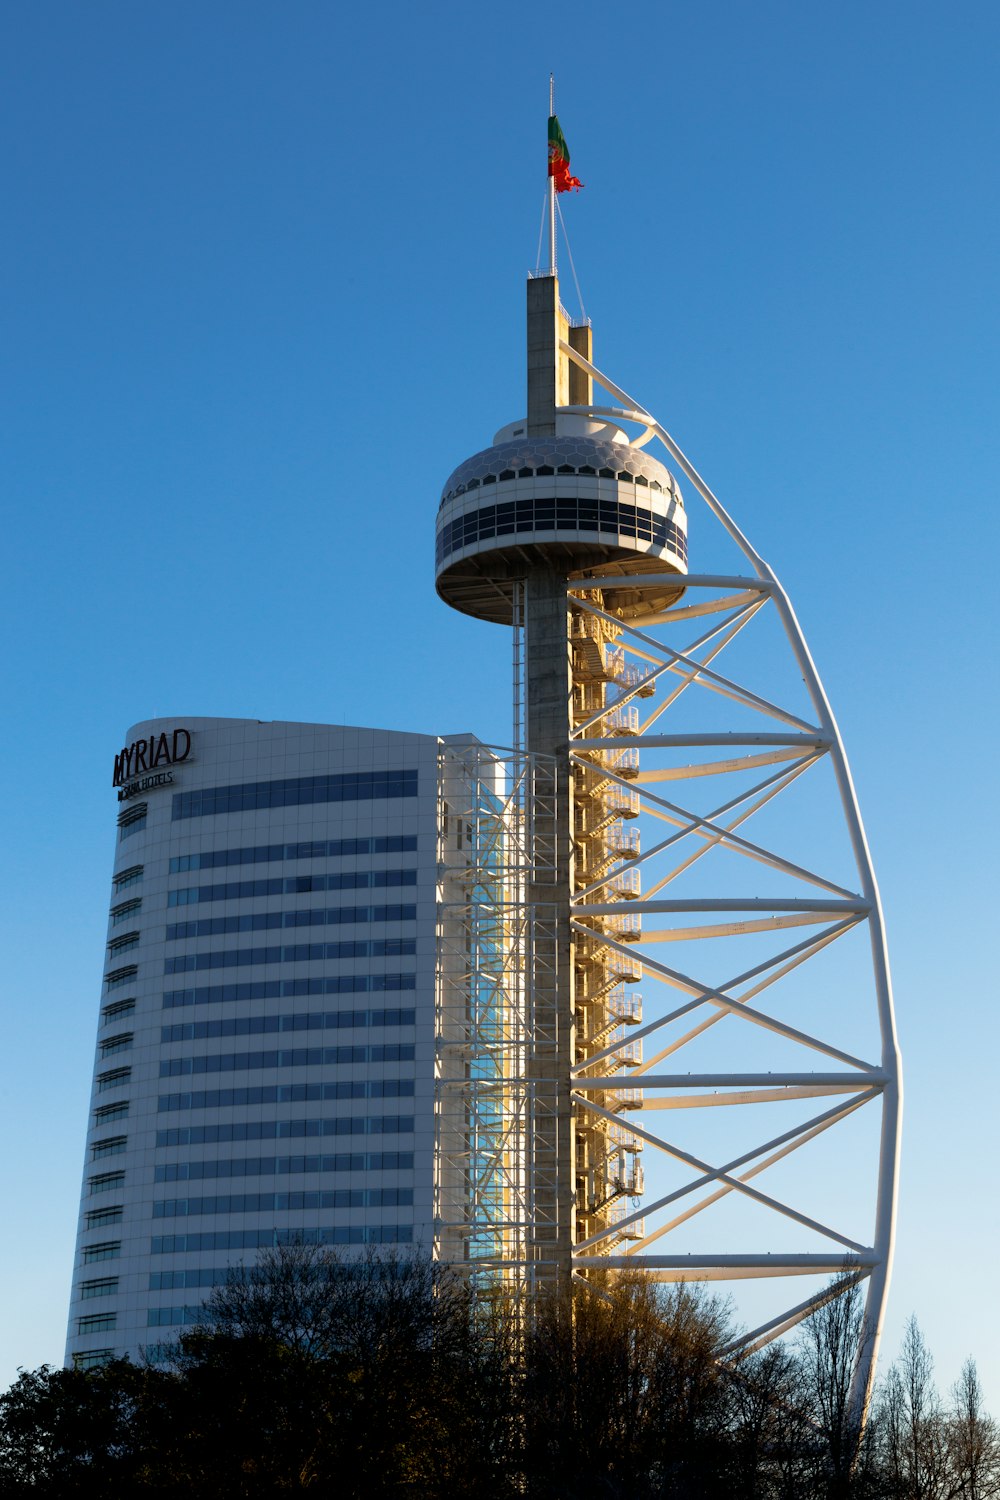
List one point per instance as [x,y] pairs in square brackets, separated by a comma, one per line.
[517,637]
[548,683]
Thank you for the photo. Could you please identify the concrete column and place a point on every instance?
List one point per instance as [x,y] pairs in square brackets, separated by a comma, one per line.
[548,703]
[581,386]
[548,367]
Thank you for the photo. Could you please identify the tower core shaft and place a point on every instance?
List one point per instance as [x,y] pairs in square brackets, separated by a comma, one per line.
[564,496]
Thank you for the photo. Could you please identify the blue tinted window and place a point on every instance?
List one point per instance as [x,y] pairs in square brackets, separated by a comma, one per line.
[288,953]
[92,1359]
[335,1020]
[284,1057]
[97,1323]
[268,1130]
[125,910]
[169,1317]
[299,791]
[572,514]
[276,989]
[100,1286]
[267,921]
[115,978]
[256,1203]
[100,1216]
[284,1166]
[115,1078]
[259,1239]
[109,1250]
[212,859]
[287,1093]
[294,885]
[172,1281]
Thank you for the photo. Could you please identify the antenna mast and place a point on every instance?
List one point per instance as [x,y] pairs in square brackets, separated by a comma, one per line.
[552,185]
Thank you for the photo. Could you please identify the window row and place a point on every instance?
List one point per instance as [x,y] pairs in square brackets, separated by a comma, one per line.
[105,1182]
[132,820]
[120,1043]
[116,979]
[544,471]
[178,1281]
[263,921]
[288,1093]
[290,953]
[270,1130]
[126,909]
[171,1317]
[106,1114]
[263,1239]
[287,989]
[97,1217]
[100,1286]
[114,1078]
[113,1145]
[92,1359]
[328,1020]
[291,885]
[97,1323]
[212,1276]
[285,1057]
[258,854]
[616,521]
[262,1203]
[117,1010]
[299,791]
[284,1166]
[122,944]
[126,878]
[107,1250]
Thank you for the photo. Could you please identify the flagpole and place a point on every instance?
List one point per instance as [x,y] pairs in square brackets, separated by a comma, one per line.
[552,185]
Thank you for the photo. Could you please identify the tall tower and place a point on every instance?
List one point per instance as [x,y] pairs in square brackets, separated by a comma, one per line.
[583,872]
[564,496]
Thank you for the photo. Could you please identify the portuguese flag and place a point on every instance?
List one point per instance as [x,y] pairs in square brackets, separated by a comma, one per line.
[559,159]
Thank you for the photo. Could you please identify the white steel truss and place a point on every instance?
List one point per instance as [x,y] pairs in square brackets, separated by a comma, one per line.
[492,946]
[696,829]
[662,684]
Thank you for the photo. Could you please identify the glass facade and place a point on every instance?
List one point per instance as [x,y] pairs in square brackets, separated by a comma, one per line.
[298,791]
[273,989]
[341,810]
[614,522]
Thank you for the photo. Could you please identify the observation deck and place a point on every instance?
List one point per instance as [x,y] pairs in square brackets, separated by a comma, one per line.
[563,491]
[583,499]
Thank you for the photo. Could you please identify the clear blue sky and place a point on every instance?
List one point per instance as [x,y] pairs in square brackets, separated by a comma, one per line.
[262,289]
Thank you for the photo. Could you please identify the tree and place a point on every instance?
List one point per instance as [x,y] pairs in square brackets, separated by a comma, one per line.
[770,1433]
[310,1369]
[914,1457]
[972,1440]
[828,1351]
[623,1395]
[383,1377]
[67,1432]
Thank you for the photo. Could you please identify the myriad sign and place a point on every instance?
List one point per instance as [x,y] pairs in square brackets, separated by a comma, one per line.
[136,765]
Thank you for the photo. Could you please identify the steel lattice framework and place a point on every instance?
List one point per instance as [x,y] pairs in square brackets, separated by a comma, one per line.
[492,944]
[709,812]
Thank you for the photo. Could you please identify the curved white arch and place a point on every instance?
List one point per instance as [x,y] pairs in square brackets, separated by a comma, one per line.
[875,1262]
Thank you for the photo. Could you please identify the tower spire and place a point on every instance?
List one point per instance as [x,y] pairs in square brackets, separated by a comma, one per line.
[552,180]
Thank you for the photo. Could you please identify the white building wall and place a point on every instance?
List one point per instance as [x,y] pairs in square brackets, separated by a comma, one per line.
[147,1286]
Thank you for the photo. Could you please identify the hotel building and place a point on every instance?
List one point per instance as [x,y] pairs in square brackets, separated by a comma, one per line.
[264,1067]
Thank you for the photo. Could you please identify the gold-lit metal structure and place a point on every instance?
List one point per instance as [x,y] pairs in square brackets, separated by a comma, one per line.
[599,846]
